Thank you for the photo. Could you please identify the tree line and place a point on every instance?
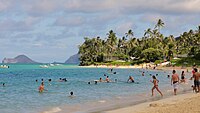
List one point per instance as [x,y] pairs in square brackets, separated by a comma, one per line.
[149,48]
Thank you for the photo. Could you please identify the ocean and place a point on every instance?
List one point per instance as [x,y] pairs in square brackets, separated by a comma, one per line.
[20,94]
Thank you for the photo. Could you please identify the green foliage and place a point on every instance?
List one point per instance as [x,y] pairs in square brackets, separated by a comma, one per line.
[152,47]
[138,62]
[152,54]
[158,61]
[189,61]
[115,63]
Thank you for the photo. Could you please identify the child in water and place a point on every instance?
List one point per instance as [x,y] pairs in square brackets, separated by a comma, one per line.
[155,83]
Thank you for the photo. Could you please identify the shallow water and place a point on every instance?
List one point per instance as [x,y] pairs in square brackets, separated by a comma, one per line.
[20,95]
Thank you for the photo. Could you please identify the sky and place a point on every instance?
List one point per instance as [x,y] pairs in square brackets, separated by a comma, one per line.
[52,30]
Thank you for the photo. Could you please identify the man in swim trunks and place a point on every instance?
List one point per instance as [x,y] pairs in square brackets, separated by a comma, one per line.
[175,81]
[196,76]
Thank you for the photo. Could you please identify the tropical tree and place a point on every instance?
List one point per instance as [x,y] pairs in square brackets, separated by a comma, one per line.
[129,34]
[152,46]
[159,24]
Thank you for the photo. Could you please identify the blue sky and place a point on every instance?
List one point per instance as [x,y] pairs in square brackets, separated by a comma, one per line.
[51,30]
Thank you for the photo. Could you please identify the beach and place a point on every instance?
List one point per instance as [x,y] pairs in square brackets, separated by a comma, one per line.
[139,67]
[183,103]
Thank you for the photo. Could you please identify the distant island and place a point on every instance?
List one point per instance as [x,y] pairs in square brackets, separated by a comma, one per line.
[23,59]
[19,59]
[74,59]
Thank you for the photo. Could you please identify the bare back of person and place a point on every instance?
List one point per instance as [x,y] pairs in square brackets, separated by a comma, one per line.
[196,76]
[175,81]
[175,78]
[155,82]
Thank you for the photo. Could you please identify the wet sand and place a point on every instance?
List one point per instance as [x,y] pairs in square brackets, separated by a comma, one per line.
[183,103]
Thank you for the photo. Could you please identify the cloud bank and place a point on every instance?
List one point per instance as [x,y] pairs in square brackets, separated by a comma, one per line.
[39,28]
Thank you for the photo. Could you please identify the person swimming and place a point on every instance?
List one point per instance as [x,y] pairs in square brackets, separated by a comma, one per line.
[49,81]
[156,74]
[107,79]
[100,80]
[142,73]
[71,94]
[64,79]
[3,84]
[130,79]
[111,69]
[41,87]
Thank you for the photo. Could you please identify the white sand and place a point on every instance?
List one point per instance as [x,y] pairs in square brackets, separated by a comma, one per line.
[184,103]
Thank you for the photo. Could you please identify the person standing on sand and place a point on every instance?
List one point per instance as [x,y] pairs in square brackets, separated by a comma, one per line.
[155,83]
[175,81]
[196,77]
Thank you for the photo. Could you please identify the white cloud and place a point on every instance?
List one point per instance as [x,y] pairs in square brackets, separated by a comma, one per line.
[53,23]
[70,21]
[124,27]
[4,5]
[12,25]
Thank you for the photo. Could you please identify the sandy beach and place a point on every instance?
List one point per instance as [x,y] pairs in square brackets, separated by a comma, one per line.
[138,67]
[183,103]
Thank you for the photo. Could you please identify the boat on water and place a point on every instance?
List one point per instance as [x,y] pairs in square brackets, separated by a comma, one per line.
[44,66]
[51,64]
[4,66]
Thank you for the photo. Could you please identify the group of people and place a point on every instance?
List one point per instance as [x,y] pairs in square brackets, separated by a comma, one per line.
[41,87]
[175,80]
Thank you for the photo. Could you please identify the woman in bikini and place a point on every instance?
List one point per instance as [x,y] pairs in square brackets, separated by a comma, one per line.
[155,83]
[183,77]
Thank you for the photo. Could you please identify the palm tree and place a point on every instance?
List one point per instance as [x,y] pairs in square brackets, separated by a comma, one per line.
[198,29]
[129,34]
[159,24]
[111,43]
[148,33]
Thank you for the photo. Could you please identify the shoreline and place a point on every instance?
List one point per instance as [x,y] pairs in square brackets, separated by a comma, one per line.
[138,67]
[174,104]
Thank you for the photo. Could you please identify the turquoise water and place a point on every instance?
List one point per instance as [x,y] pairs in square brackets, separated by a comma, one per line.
[20,94]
